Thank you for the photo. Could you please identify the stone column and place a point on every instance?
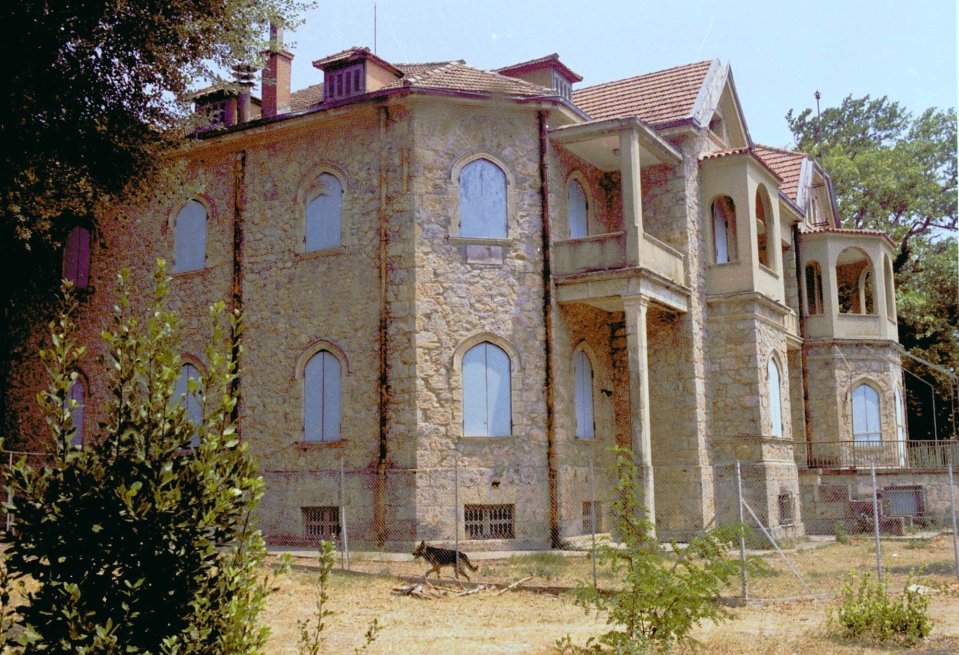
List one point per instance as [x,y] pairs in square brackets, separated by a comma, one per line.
[632,194]
[635,312]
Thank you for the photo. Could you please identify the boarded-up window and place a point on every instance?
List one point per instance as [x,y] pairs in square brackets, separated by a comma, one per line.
[489,521]
[191,401]
[578,210]
[76,257]
[724,230]
[773,381]
[321,522]
[189,237]
[324,215]
[583,382]
[865,414]
[321,414]
[482,200]
[486,392]
[77,394]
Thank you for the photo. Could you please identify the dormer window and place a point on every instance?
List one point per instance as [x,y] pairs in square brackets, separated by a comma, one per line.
[344,82]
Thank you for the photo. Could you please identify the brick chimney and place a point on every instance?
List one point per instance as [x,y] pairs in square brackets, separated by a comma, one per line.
[276,75]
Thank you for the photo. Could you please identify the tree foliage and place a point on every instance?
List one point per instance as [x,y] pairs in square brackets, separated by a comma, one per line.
[91,94]
[891,171]
[135,542]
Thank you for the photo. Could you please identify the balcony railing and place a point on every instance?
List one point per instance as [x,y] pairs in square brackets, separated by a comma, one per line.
[881,454]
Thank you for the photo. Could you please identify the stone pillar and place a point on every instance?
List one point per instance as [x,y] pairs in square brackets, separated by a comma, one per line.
[635,312]
[632,194]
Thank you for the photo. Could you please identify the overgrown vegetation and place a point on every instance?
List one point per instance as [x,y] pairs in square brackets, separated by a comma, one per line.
[138,542]
[867,612]
[665,594]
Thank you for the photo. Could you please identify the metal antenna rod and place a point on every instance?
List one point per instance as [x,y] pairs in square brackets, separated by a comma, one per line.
[818,125]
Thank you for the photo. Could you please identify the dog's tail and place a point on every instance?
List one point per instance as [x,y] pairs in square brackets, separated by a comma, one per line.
[472,566]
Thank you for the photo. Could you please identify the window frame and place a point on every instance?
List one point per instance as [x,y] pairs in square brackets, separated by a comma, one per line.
[775,403]
[585,414]
[456,225]
[729,231]
[814,304]
[576,178]
[866,437]
[188,241]
[494,413]
[326,411]
[313,194]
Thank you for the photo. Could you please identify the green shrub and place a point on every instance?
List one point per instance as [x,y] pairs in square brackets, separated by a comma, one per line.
[866,612]
[842,535]
[664,594]
[544,565]
[136,542]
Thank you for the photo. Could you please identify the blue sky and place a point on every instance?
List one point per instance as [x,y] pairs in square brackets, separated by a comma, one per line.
[780,52]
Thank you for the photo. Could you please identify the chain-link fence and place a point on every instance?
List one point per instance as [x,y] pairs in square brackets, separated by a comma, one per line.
[805,528]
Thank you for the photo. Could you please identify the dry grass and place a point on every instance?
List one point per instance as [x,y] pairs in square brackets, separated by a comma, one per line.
[527,622]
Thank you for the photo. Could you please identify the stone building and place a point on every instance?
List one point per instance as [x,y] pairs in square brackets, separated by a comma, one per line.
[437,262]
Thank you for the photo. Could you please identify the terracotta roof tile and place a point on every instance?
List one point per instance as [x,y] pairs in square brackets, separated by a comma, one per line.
[420,68]
[542,62]
[306,98]
[656,98]
[843,230]
[456,76]
[745,150]
[787,164]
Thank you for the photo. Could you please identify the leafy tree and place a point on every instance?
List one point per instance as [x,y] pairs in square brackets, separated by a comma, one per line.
[90,100]
[136,542]
[896,172]
[891,171]
[665,594]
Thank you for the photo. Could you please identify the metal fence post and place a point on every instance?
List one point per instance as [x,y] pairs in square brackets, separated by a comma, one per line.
[592,514]
[345,536]
[456,512]
[742,532]
[955,533]
[875,522]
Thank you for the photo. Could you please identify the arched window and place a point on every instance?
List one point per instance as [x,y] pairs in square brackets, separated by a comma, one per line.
[583,383]
[761,229]
[724,230]
[321,411]
[324,214]
[890,290]
[486,392]
[865,415]
[482,200]
[77,394]
[854,282]
[813,288]
[577,209]
[774,387]
[76,257]
[191,401]
[189,238]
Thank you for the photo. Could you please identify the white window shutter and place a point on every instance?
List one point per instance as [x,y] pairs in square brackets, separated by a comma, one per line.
[189,237]
[482,210]
[324,215]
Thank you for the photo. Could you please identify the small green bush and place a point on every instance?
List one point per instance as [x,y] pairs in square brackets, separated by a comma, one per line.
[867,612]
[842,535]
[544,565]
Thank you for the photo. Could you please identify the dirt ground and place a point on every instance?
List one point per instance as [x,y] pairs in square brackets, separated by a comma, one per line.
[531,622]
[526,622]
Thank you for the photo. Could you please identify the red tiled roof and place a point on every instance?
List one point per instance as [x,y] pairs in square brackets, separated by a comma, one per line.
[420,68]
[456,76]
[306,98]
[656,98]
[787,164]
[745,150]
[843,230]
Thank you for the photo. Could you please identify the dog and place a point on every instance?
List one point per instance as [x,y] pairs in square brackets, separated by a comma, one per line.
[440,557]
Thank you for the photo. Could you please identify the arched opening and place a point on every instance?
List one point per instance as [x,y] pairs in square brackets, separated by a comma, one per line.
[854,282]
[76,257]
[814,304]
[724,230]
[762,231]
[866,423]
[482,193]
[189,238]
[322,398]
[190,400]
[486,392]
[774,390]
[583,383]
[577,209]
[324,214]
[890,289]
